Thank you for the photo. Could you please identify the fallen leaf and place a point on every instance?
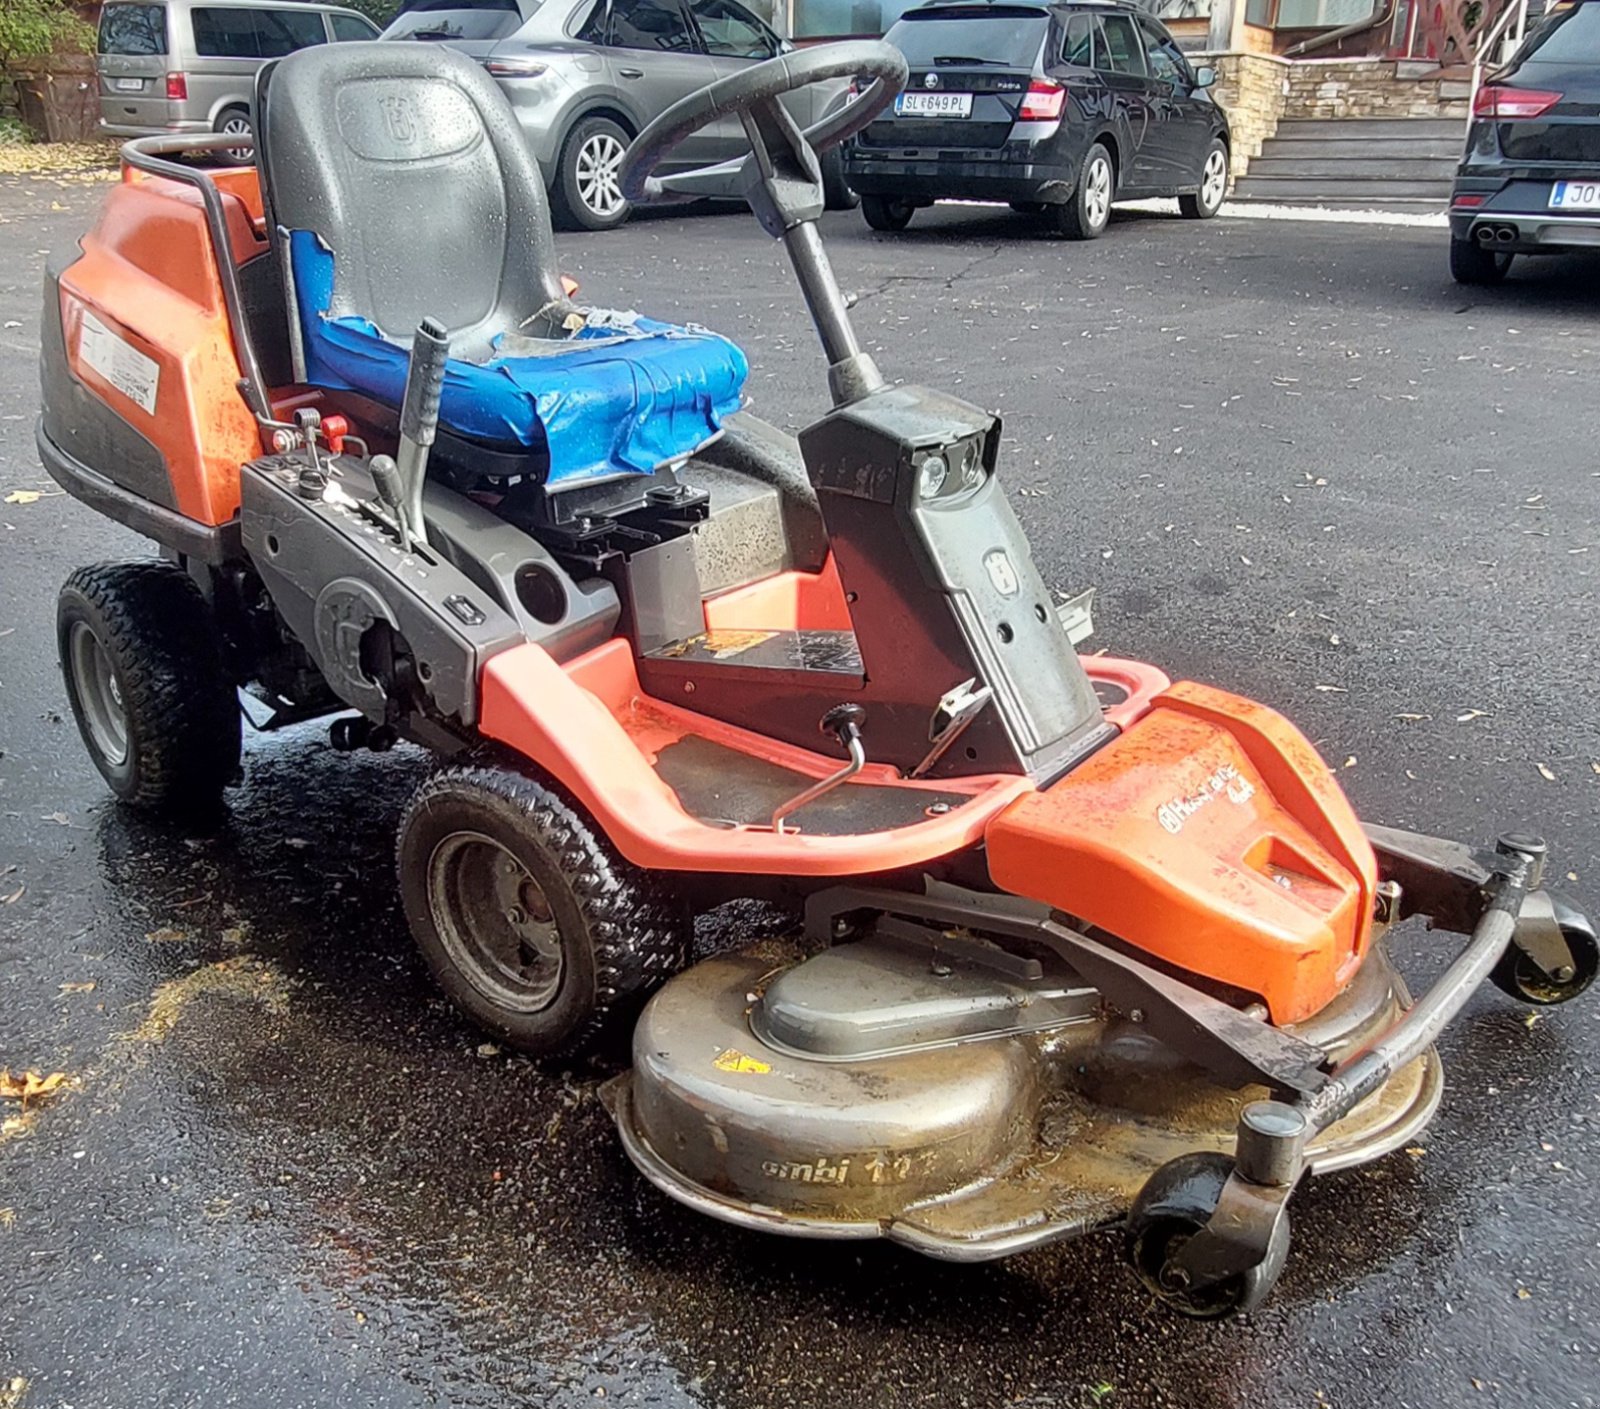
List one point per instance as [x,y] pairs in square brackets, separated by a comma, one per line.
[59,818]
[1545,773]
[167,936]
[1331,689]
[1530,1020]
[77,987]
[24,496]
[1523,1294]
[1411,718]
[1416,1151]
[11,1392]
[1350,762]
[1470,714]
[15,896]
[30,1086]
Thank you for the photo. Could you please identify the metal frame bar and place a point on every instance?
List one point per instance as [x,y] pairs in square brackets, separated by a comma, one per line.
[147,154]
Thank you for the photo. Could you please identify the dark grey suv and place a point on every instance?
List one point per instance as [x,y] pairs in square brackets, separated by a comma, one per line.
[1059,109]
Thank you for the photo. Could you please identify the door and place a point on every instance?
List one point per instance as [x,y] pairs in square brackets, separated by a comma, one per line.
[1184,116]
[133,61]
[1120,58]
[734,40]
[654,56]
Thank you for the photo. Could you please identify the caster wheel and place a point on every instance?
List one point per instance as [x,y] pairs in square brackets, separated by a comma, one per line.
[142,663]
[1176,1202]
[533,926]
[1519,977]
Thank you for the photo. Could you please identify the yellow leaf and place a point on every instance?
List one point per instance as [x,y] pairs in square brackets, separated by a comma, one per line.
[30,1086]
[11,1392]
[1545,773]
[735,1060]
[23,496]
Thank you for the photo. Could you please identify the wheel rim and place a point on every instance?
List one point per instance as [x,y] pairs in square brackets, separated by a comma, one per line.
[238,127]
[105,716]
[495,922]
[599,159]
[1097,192]
[1215,180]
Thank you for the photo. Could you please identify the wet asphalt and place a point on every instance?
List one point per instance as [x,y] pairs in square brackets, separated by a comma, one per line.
[1295,460]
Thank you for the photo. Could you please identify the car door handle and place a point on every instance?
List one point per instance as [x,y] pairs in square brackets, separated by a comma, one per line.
[631,72]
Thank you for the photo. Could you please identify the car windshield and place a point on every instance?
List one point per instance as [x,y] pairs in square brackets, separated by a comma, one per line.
[456,19]
[1008,36]
[1569,38]
[133,29]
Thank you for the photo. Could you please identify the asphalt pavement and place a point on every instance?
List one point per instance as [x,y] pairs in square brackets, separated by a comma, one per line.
[1295,460]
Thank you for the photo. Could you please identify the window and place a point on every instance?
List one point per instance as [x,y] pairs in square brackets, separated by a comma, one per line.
[1122,52]
[1569,37]
[1078,45]
[732,33]
[281,32]
[133,29]
[1001,35]
[457,19]
[651,24]
[225,33]
[1166,59]
[346,27]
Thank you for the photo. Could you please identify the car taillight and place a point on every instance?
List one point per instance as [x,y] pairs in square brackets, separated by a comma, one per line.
[1499,103]
[1042,102]
[505,67]
[177,86]
[1468,201]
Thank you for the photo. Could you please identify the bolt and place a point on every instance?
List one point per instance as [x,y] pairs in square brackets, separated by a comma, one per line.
[1136,1015]
[1564,974]
[516,914]
[1175,1279]
[938,809]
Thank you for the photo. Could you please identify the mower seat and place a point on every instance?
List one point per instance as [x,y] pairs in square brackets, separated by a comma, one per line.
[401,187]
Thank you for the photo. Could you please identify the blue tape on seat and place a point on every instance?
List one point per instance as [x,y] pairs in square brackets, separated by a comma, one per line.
[607,400]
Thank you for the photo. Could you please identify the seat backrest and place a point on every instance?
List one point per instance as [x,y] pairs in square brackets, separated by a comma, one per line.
[407,163]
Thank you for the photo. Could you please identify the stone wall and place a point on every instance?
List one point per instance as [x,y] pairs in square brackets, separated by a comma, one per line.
[1324,88]
[1251,89]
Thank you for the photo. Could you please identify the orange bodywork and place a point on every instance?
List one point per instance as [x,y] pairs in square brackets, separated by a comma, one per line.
[148,275]
[1211,835]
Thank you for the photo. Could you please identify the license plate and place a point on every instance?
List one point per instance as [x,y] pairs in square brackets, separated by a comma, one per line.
[933,105]
[127,85]
[1575,195]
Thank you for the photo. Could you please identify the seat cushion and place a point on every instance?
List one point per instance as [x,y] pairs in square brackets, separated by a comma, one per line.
[619,394]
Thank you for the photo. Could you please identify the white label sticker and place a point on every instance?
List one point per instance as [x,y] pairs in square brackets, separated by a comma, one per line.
[136,376]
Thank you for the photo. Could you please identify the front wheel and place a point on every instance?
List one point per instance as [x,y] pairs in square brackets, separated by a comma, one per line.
[885,213]
[836,192]
[1206,201]
[1471,263]
[588,191]
[1087,214]
[533,926]
[143,671]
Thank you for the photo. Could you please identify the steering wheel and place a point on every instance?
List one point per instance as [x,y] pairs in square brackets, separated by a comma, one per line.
[785,157]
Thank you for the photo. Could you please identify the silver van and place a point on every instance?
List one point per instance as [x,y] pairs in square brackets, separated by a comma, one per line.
[190,65]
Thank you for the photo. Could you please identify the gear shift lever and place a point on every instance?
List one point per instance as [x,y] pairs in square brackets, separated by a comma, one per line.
[844,722]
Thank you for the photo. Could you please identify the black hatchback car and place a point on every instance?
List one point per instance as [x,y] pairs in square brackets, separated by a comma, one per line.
[1058,108]
[1530,180]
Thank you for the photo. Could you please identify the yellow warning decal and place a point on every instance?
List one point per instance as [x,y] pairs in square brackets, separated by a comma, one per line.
[735,1060]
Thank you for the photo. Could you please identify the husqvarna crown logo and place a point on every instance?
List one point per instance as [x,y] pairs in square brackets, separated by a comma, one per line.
[400,118]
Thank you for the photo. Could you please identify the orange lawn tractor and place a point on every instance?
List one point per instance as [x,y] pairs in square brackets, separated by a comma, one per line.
[1082,948]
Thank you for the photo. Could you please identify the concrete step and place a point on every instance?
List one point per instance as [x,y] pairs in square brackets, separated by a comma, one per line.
[1409,148]
[1377,165]
[1368,129]
[1296,191]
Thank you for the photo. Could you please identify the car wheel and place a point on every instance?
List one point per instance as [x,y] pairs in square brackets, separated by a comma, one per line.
[885,213]
[1471,263]
[1207,199]
[235,122]
[1087,214]
[836,192]
[588,189]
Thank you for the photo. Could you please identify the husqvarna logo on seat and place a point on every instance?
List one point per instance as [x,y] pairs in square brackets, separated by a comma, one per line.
[400,118]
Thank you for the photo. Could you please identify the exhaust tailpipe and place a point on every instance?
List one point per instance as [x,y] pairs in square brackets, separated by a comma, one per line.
[1506,234]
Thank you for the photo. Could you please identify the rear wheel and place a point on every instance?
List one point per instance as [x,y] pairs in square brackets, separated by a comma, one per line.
[1207,200]
[886,213]
[1471,263]
[1087,214]
[143,670]
[235,122]
[836,192]
[534,927]
[588,193]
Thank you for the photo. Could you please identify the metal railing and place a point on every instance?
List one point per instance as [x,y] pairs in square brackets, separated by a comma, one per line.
[1512,26]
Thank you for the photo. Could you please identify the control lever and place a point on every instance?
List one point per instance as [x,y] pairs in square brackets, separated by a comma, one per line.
[844,722]
[419,417]
[956,709]
[386,478]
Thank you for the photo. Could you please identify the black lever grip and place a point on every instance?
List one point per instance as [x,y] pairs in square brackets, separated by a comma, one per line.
[430,350]
[844,722]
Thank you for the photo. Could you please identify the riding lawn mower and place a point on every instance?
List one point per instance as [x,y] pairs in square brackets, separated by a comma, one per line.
[1081,948]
